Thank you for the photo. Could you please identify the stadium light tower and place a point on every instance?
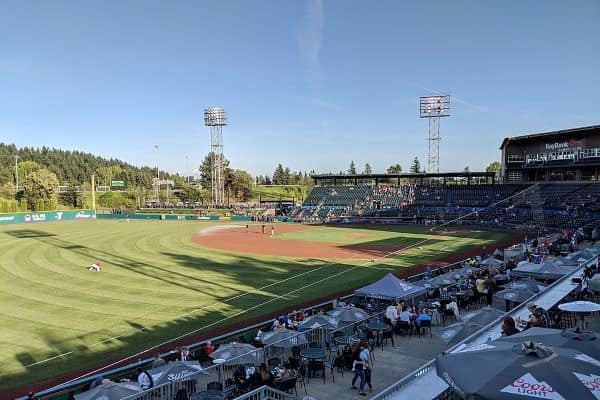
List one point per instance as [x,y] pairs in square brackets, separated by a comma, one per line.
[216,119]
[433,108]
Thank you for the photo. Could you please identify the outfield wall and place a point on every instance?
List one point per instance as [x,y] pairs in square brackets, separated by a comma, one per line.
[169,217]
[46,216]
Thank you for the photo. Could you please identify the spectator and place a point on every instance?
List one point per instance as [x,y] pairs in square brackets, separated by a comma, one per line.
[508,327]
[144,379]
[391,314]
[158,361]
[423,316]
[210,348]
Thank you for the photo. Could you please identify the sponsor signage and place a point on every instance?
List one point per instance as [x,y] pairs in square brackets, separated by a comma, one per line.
[570,144]
[592,382]
[528,386]
[46,216]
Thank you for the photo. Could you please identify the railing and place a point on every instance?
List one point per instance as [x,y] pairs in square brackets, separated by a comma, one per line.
[224,372]
[392,389]
[264,393]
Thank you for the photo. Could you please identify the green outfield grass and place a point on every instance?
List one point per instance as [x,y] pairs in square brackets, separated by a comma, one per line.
[157,284]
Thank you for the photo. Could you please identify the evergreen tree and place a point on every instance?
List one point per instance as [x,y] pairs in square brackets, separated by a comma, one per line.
[394,169]
[368,170]
[352,168]
[279,175]
[416,166]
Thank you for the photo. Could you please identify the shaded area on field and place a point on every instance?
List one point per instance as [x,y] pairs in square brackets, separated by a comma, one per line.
[29,234]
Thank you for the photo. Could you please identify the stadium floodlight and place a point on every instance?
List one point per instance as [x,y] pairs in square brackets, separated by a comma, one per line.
[433,108]
[216,118]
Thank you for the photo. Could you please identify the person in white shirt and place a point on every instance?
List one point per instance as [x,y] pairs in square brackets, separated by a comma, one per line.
[95,267]
[391,313]
[144,380]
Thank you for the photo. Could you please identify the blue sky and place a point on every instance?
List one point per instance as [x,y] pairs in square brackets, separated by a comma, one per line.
[309,84]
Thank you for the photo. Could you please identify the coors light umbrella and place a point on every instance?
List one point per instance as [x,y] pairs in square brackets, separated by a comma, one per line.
[585,342]
[237,353]
[176,371]
[507,371]
[471,323]
[283,338]
[110,390]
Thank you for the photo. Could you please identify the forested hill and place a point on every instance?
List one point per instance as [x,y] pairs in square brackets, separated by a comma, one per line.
[73,166]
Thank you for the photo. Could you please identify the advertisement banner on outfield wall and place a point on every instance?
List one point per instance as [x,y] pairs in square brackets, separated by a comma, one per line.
[46,216]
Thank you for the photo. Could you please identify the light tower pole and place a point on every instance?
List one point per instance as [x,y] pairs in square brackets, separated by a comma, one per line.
[216,119]
[157,187]
[433,108]
[17,171]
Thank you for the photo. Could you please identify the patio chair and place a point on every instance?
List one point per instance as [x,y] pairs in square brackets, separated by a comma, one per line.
[425,325]
[403,328]
[315,345]
[288,385]
[385,335]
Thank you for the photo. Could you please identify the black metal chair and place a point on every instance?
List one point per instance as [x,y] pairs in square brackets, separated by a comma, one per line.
[287,385]
[214,386]
[425,325]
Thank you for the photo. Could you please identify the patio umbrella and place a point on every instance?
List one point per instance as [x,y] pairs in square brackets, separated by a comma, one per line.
[348,314]
[110,390]
[491,262]
[520,291]
[549,269]
[446,279]
[586,342]
[594,283]
[237,353]
[283,338]
[471,323]
[318,321]
[582,308]
[502,371]
[176,371]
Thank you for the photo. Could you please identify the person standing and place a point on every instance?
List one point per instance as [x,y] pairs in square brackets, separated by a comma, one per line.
[368,372]
[262,228]
[358,367]
[272,230]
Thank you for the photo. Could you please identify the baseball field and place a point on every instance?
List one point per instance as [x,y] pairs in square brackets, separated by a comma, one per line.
[163,280]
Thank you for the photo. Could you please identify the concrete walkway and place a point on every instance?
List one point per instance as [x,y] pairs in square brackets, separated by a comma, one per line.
[391,364]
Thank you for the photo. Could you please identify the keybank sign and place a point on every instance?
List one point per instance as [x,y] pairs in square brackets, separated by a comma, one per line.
[571,144]
[46,216]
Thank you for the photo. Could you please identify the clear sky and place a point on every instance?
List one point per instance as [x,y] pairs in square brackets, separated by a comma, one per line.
[310,84]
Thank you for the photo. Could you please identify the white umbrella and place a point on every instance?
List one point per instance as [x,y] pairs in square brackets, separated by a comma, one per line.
[176,371]
[283,338]
[237,353]
[318,321]
[580,307]
[349,314]
[110,390]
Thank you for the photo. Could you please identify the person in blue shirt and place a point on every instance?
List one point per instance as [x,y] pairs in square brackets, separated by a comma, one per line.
[423,316]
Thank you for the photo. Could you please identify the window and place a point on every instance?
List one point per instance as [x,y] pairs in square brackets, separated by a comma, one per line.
[515,176]
[515,158]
